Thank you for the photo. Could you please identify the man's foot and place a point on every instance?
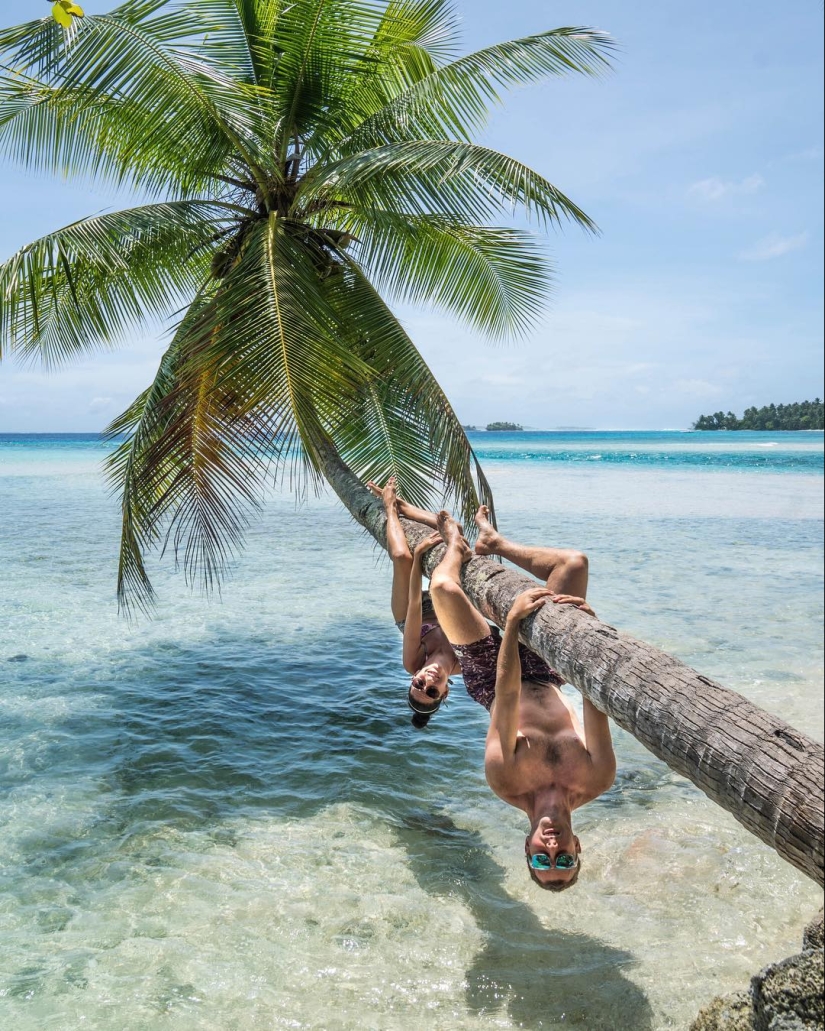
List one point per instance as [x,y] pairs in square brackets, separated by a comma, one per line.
[452,534]
[488,536]
[447,526]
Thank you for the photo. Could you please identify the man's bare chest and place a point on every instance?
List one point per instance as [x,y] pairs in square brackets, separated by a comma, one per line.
[543,760]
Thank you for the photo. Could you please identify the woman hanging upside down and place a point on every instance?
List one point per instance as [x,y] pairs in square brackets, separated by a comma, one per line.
[427,655]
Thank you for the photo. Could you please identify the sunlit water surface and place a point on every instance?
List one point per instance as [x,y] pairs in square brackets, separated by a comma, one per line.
[221,819]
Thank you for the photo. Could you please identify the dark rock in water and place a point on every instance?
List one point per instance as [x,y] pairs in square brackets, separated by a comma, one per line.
[19,658]
[814,935]
[726,1013]
[787,996]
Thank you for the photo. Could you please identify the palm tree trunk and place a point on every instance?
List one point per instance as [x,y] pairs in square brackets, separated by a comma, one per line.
[753,764]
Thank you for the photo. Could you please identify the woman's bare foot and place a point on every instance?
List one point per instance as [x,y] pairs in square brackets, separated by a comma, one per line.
[488,536]
[389,493]
[452,534]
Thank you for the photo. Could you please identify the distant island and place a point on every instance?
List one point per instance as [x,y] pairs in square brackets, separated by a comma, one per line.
[469,427]
[500,427]
[803,415]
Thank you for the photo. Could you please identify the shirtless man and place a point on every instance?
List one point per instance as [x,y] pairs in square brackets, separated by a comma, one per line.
[538,758]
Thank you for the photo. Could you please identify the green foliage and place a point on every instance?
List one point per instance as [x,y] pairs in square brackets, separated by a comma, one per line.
[803,415]
[504,427]
[303,158]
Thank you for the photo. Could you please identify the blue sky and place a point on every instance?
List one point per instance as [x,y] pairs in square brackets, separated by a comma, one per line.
[700,158]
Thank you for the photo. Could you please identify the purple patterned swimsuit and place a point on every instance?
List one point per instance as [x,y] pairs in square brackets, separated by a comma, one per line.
[478,667]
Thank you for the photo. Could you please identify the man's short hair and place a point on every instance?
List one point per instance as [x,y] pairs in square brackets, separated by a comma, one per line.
[555,885]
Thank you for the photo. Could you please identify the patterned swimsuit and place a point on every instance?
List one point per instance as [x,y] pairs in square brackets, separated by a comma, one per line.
[480,659]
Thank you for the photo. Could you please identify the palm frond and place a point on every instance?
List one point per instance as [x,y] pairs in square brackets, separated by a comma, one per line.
[182,467]
[80,287]
[423,177]
[399,422]
[494,278]
[319,52]
[455,100]
[238,396]
[131,85]
[411,40]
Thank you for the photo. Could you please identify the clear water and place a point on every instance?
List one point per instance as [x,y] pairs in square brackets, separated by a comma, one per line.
[221,819]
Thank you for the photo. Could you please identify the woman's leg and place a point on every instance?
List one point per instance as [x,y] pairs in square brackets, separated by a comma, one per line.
[408,511]
[399,552]
[459,618]
[564,571]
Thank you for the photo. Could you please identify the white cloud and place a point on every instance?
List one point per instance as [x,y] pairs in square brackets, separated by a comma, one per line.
[698,388]
[716,189]
[773,246]
[100,404]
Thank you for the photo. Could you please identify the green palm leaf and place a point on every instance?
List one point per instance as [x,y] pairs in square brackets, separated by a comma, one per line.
[455,100]
[238,394]
[494,278]
[80,287]
[400,422]
[451,178]
[136,90]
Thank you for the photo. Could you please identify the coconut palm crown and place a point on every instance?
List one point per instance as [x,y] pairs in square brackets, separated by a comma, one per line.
[302,163]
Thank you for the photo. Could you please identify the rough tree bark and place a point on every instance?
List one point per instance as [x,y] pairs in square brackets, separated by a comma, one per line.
[753,764]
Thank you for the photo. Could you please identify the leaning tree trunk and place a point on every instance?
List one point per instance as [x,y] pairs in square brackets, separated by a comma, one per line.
[765,773]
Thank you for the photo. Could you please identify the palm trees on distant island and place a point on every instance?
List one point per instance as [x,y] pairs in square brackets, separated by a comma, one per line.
[301,160]
[803,415]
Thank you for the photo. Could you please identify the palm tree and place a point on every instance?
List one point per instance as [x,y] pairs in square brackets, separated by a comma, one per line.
[300,161]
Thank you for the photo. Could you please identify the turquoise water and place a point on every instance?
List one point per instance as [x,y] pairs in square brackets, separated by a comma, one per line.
[221,819]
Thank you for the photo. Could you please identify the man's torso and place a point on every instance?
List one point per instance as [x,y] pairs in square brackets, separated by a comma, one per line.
[550,751]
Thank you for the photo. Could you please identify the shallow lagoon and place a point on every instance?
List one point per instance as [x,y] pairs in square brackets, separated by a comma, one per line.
[221,819]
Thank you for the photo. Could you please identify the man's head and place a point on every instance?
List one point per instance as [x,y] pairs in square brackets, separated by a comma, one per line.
[552,852]
[428,689]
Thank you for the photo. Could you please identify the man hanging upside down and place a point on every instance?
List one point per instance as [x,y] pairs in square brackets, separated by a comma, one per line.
[538,756]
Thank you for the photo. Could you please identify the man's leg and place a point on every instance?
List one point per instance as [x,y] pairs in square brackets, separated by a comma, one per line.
[417,515]
[564,571]
[459,618]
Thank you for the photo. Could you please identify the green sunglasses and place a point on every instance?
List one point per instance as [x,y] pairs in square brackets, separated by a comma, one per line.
[564,861]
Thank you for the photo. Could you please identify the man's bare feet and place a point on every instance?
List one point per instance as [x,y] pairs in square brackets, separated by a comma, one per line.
[452,534]
[488,537]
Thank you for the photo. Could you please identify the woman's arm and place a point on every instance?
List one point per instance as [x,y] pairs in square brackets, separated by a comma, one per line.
[412,627]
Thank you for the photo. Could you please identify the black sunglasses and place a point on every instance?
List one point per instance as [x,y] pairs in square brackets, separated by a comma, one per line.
[431,692]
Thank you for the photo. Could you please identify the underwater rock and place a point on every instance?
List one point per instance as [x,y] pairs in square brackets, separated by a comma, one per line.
[814,935]
[726,1013]
[786,996]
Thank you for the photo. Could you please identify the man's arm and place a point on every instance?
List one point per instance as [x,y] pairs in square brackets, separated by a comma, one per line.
[599,744]
[597,739]
[503,731]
